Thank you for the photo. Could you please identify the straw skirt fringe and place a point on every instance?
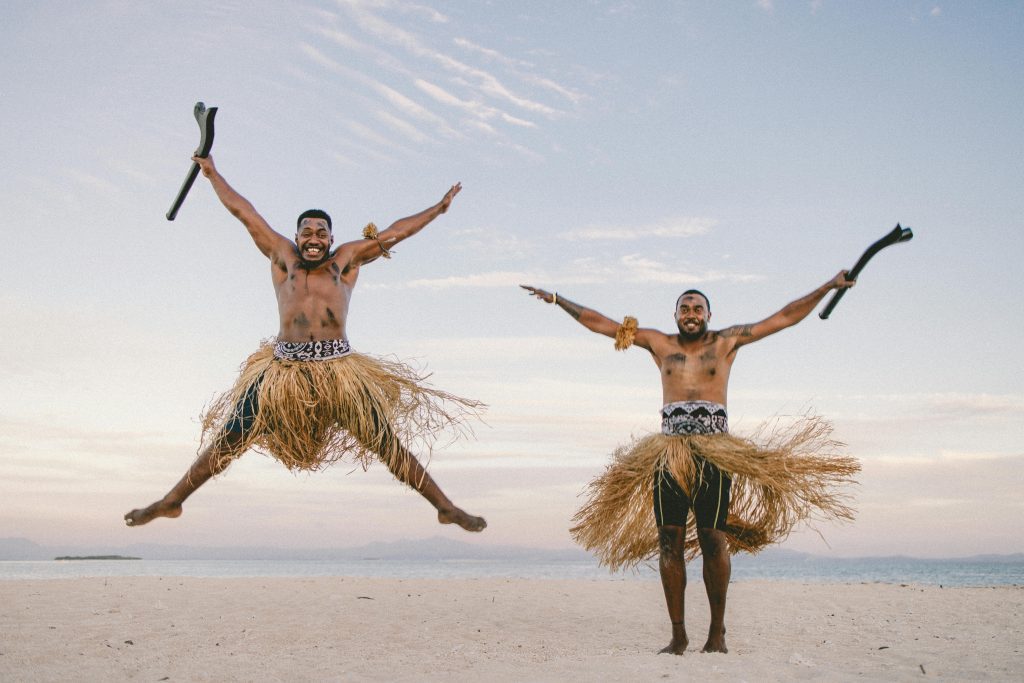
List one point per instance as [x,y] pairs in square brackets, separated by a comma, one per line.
[780,477]
[313,413]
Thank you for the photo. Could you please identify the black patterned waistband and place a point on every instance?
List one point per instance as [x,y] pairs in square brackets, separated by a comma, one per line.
[312,350]
[694,417]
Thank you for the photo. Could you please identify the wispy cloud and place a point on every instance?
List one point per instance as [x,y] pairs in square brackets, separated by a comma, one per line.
[637,268]
[405,55]
[491,241]
[366,133]
[950,407]
[472,107]
[492,55]
[402,126]
[394,98]
[630,268]
[501,278]
[481,80]
[362,151]
[568,93]
[429,12]
[686,226]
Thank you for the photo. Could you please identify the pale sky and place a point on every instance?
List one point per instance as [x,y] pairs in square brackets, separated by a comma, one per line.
[617,152]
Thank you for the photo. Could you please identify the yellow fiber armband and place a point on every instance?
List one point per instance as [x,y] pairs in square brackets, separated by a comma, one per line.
[626,333]
[370,233]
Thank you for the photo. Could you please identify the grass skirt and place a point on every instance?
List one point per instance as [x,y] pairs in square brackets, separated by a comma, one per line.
[780,477]
[313,413]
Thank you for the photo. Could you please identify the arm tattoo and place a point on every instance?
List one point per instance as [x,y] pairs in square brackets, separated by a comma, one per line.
[739,331]
[569,307]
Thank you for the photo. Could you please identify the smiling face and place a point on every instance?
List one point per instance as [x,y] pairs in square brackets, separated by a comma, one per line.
[313,240]
[692,315]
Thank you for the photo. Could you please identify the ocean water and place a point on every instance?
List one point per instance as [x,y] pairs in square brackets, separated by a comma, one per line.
[968,572]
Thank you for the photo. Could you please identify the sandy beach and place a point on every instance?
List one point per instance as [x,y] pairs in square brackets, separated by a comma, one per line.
[359,629]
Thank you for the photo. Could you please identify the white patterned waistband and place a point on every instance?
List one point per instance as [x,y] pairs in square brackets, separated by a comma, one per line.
[312,350]
[694,417]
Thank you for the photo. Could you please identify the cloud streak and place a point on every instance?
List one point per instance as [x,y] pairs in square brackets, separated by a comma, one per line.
[480,95]
[402,103]
[685,226]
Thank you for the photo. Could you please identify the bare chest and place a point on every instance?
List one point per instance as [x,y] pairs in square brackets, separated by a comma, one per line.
[695,374]
[313,304]
[326,282]
[686,368]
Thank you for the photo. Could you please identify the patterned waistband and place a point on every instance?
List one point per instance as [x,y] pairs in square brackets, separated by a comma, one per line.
[694,417]
[312,350]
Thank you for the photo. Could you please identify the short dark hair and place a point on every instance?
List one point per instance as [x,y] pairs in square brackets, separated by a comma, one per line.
[313,213]
[695,291]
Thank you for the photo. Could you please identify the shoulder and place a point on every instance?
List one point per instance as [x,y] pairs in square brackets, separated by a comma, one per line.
[654,340]
[730,338]
[348,256]
[285,255]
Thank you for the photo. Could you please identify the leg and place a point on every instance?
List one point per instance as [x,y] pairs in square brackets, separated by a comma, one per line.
[408,470]
[212,460]
[714,547]
[671,508]
[710,510]
[672,565]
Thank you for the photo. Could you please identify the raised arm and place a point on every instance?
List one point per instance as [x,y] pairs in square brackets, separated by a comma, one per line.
[369,249]
[262,234]
[789,315]
[589,318]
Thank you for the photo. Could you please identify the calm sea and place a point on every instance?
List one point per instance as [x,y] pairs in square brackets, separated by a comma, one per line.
[870,570]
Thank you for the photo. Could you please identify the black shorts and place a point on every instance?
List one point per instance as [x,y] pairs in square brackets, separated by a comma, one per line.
[244,415]
[710,500]
[245,410]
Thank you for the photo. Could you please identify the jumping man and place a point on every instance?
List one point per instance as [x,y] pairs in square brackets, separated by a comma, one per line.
[306,398]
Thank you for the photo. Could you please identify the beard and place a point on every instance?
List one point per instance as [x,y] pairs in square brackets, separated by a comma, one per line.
[702,329]
[307,264]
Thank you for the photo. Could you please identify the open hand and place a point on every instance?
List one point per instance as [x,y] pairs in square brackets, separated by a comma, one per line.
[449,196]
[546,297]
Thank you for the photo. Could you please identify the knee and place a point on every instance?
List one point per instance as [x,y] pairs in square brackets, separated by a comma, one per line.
[672,543]
[713,543]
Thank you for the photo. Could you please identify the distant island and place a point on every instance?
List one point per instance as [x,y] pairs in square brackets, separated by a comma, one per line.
[96,557]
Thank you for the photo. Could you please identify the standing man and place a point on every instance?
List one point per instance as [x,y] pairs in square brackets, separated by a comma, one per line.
[694,466]
[305,397]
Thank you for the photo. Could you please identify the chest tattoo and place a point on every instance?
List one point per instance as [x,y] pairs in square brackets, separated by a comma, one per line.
[673,361]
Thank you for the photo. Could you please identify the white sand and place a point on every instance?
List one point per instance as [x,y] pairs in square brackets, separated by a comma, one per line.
[356,629]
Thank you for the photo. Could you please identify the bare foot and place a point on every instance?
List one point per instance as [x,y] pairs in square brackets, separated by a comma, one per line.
[463,519]
[679,641]
[148,514]
[716,643]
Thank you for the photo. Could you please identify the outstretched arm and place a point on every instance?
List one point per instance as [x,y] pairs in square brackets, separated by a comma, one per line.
[262,234]
[790,315]
[588,317]
[404,228]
